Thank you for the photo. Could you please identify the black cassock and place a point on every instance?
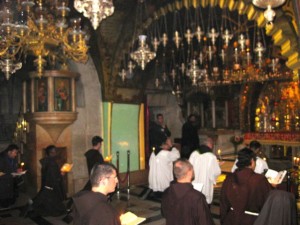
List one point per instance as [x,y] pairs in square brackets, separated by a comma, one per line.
[92,157]
[183,205]
[189,139]
[49,200]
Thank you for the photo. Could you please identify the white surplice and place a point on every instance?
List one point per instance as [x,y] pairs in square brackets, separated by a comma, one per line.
[207,170]
[161,169]
[260,167]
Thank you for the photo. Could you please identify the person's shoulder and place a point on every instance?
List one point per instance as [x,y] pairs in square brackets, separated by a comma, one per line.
[81,193]
[258,159]
[259,177]
[261,161]
[195,154]
[209,155]
[84,194]
[90,152]
[229,177]
[196,195]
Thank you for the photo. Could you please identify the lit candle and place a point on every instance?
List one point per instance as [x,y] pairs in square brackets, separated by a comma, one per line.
[153,149]
[22,165]
[294,161]
[108,158]
[219,154]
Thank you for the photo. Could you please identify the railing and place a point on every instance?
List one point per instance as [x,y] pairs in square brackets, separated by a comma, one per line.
[126,177]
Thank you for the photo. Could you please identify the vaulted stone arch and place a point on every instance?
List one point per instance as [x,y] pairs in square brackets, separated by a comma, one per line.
[283,32]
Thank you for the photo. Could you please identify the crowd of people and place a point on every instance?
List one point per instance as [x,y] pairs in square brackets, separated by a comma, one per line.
[246,195]
[183,179]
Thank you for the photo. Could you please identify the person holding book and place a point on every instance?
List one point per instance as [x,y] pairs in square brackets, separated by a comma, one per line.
[9,183]
[244,192]
[261,164]
[92,207]
[49,200]
[181,204]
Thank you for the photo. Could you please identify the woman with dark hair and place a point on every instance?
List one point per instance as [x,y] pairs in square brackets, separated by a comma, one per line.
[244,192]
[49,200]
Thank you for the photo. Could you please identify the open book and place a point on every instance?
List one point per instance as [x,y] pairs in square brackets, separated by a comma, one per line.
[66,168]
[18,173]
[275,177]
[130,218]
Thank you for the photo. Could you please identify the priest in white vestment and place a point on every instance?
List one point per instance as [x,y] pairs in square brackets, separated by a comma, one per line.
[261,165]
[161,166]
[206,168]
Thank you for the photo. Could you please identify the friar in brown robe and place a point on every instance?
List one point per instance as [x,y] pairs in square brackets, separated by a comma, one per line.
[181,203]
[91,207]
[244,192]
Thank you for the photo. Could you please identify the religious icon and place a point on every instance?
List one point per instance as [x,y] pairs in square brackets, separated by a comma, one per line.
[42,95]
[62,94]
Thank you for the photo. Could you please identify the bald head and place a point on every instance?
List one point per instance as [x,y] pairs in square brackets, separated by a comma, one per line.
[183,171]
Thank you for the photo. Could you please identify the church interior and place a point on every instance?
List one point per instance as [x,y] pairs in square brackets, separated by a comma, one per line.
[68,75]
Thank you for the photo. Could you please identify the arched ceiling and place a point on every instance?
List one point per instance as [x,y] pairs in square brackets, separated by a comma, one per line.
[113,37]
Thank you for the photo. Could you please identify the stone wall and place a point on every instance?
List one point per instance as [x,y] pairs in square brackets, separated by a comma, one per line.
[89,120]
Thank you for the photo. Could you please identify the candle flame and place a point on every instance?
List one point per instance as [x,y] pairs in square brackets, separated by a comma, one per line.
[108,158]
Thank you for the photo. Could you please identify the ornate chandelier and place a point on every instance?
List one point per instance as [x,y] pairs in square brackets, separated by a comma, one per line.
[269,14]
[143,54]
[39,28]
[214,54]
[95,10]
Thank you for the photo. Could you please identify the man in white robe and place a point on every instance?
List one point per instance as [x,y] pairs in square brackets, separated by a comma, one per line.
[161,166]
[207,169]
[261,165]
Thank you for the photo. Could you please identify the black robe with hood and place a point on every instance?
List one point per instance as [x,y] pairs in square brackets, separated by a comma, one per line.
[49,200]
[279,209]
[92,208]
[182,204]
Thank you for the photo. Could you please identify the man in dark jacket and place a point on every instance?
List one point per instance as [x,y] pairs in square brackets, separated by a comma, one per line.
[93,156]
[181,203]
[8,183]
[8,159]
[158,131]
[91,207]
